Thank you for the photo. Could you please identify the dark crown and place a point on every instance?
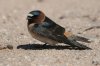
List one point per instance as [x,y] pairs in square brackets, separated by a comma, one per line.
[33,14]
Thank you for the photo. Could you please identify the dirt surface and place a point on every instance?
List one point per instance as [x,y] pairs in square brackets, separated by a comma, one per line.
[18,48]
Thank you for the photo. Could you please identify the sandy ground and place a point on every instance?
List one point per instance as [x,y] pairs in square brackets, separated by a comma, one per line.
[74,15]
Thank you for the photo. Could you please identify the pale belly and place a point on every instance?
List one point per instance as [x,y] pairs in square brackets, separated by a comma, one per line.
[43,39]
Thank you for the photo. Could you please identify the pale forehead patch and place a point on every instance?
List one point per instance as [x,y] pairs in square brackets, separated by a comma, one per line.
[30,15]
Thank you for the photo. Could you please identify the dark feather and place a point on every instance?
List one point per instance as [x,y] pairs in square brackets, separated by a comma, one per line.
[74,43]
[83,39]
[51,30]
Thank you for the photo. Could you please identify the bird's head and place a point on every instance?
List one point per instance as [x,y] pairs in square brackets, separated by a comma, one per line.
[36,16]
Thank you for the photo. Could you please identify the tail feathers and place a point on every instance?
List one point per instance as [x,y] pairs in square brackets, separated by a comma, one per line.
[83,39]
[77,38]
[71,39]
[76,44]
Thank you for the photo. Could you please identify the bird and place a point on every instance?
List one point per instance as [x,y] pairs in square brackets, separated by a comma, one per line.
[46,30]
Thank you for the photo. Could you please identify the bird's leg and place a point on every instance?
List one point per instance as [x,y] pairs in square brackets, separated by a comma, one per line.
[44,46]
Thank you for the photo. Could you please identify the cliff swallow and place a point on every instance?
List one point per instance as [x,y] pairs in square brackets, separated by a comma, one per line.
[44,29]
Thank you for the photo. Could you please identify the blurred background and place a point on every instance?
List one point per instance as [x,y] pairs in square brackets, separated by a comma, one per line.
[82,17]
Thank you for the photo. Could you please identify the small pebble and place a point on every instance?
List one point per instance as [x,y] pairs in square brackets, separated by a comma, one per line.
[21,33]
[95,63]
[40,0]
[62,17]
[10,47]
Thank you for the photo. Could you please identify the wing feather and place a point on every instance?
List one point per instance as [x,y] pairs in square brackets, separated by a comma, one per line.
[55,32]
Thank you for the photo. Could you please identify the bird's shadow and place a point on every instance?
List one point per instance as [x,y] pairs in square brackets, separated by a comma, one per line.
[41,47]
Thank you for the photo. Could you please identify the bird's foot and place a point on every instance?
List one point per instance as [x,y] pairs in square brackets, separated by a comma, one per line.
[44,46]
